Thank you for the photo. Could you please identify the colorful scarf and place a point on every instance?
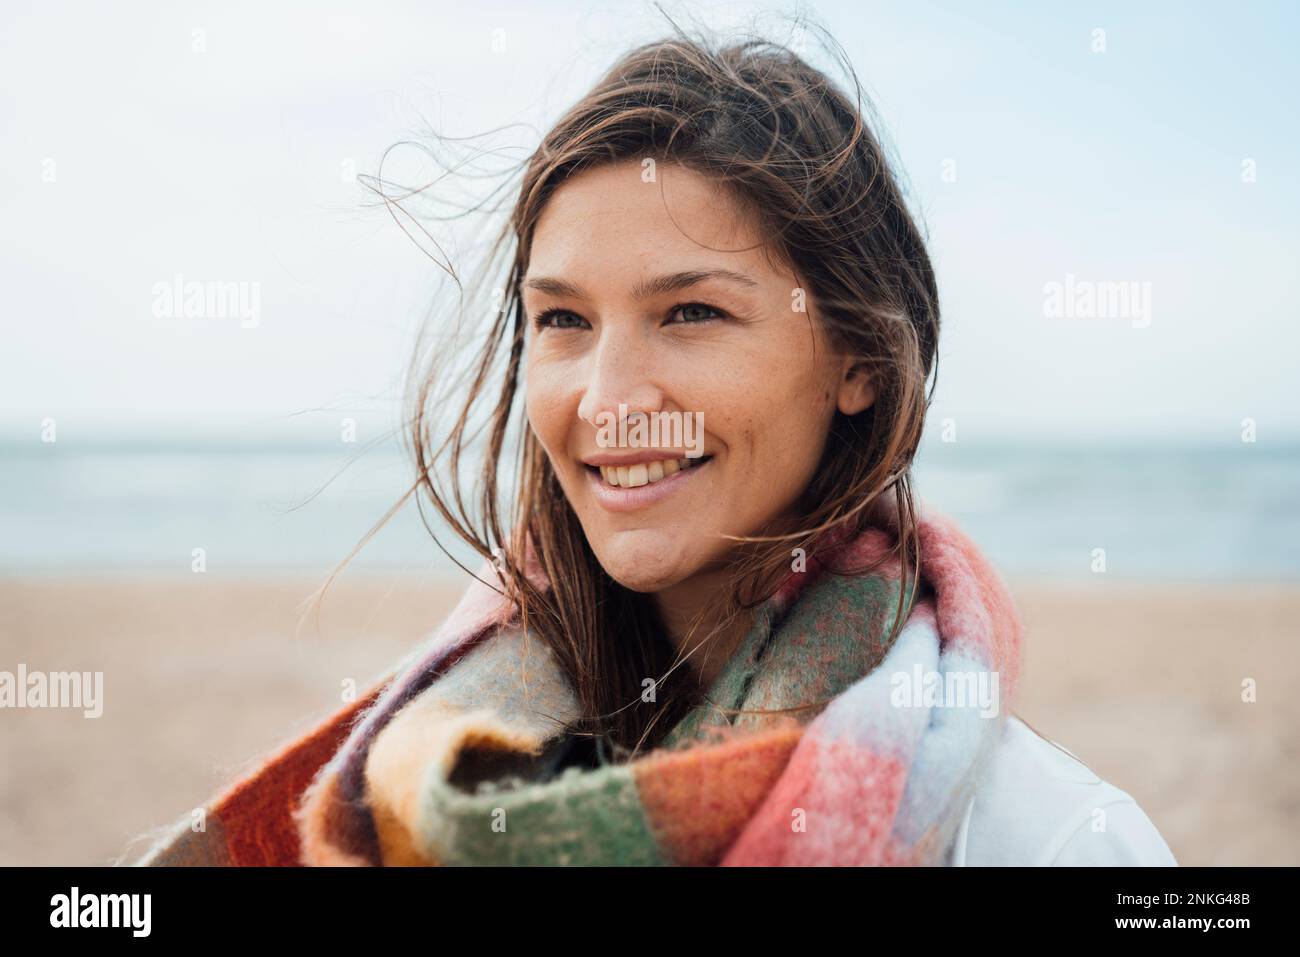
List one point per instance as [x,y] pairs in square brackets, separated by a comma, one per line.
[458,756]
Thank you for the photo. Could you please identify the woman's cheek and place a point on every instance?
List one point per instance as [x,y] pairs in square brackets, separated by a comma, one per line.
[545,407]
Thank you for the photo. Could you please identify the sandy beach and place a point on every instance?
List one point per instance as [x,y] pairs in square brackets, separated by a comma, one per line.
[202,675]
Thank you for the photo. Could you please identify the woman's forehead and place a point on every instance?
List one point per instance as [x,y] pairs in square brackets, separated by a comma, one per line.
[607,222]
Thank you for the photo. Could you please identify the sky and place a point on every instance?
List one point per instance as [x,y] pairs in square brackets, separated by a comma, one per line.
[1154,144]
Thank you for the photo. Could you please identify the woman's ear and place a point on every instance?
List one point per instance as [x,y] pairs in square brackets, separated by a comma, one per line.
[857,389]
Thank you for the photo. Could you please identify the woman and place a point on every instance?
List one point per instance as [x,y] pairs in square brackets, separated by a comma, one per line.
[713,625]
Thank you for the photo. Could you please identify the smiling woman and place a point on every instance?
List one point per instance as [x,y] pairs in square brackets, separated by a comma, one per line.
[762,378]
[694,652]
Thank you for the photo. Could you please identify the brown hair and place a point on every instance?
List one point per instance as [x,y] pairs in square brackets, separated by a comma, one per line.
[786,141]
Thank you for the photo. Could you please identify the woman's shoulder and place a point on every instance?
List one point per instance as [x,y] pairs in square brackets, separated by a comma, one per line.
[1039,805]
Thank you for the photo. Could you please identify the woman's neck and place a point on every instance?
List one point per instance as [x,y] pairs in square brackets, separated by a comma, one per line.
[690,613]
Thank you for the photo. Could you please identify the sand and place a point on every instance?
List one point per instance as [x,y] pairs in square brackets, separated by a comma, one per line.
[204,674]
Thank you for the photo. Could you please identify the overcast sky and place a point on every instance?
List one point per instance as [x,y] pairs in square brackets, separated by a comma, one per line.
[139,142]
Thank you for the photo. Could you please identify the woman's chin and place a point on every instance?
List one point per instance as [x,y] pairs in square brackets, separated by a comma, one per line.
[644,562]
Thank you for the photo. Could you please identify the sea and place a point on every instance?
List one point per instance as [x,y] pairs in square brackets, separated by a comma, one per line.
[1166,512]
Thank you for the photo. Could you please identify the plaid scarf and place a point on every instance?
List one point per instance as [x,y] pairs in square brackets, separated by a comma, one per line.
[461,755]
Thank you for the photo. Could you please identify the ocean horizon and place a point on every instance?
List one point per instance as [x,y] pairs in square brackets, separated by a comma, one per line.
[1185,511]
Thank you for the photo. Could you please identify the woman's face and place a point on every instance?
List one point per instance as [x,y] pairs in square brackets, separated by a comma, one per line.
[661,301]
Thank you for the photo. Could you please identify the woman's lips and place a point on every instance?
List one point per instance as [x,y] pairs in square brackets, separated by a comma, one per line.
[617,499]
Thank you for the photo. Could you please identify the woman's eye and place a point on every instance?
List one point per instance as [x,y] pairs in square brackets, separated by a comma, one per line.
[558,319]
[692,313]
[695,312]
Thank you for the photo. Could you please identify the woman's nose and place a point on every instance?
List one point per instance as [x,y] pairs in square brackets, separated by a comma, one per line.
[618,373]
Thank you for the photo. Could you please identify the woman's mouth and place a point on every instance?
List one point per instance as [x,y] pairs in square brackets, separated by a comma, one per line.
[626,487]
[645,473]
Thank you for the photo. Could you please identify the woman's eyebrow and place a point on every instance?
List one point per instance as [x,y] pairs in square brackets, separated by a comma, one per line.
[655,286]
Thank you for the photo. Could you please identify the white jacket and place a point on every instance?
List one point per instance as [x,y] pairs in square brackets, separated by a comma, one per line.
[1039,805]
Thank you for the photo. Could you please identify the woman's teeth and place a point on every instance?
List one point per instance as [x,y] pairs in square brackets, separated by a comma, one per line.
[645,473]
